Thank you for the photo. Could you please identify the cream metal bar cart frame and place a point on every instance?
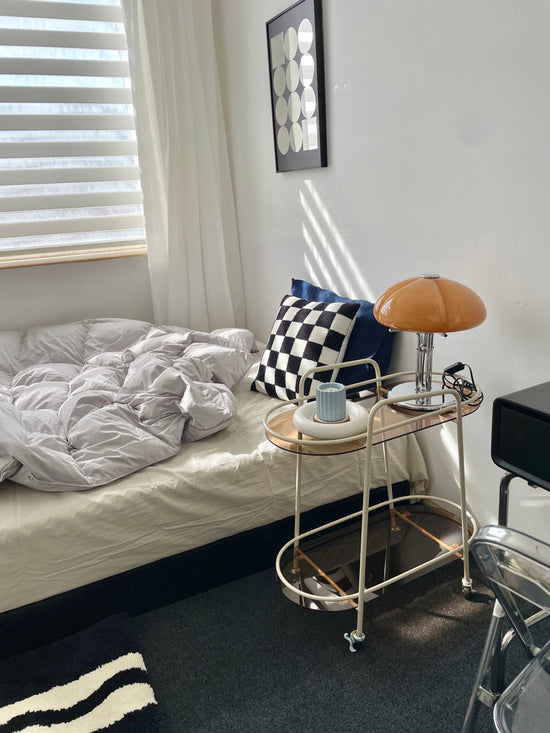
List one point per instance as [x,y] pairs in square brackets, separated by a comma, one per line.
[384,423]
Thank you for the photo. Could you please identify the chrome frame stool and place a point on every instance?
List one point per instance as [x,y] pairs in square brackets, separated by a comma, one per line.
[514,565]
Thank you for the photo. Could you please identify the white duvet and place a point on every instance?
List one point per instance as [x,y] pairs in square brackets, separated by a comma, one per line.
[85,403]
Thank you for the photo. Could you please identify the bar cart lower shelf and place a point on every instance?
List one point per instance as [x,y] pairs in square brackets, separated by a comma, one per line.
[328,564]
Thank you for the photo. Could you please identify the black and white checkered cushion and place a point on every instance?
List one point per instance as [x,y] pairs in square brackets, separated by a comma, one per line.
[305,334]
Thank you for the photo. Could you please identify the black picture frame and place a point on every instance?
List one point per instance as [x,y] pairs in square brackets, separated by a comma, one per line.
[297,83]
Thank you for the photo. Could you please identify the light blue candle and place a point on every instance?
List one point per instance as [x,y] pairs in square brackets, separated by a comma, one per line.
[331,402]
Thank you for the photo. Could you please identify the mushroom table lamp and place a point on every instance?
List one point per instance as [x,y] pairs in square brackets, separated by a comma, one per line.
[426,305]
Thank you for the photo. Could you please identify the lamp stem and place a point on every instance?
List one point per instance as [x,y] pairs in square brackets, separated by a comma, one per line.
[424,353]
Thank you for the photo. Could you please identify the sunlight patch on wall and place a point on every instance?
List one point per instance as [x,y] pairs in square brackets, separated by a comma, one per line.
[316,267]
[449,444]
[328,261]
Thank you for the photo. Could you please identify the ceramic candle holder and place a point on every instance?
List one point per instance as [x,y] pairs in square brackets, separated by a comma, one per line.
[331,402]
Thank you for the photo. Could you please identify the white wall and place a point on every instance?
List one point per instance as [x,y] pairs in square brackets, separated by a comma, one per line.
[48,294]
[438,119]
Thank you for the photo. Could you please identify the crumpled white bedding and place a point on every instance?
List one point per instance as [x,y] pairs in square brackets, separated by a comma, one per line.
[85,403]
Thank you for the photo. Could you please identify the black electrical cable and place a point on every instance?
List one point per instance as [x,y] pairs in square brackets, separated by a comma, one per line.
[466,388]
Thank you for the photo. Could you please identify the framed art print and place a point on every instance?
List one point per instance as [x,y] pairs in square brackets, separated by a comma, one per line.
[296,69]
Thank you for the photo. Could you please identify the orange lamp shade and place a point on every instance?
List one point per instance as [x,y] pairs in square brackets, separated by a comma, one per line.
[429,304]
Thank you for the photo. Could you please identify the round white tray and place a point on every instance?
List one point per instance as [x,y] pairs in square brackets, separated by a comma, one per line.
[357,423]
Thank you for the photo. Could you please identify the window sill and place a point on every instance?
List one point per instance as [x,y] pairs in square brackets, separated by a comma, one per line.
[53,257]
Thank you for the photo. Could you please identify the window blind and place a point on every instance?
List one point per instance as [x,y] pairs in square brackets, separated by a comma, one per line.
[69,174]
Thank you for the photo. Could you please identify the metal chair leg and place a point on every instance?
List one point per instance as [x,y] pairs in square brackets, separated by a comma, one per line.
[490,663]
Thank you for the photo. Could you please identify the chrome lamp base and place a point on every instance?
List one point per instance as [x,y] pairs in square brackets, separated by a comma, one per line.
[423,384]
[424,404]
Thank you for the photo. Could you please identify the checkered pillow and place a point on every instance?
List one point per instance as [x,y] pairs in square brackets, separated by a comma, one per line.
[305,334]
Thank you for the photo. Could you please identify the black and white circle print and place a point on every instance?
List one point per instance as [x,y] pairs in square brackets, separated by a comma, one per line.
[293,71]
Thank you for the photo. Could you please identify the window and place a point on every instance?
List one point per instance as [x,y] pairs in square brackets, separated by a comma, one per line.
[69,175]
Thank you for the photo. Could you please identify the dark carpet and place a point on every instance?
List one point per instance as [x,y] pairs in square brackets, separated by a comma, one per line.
[242,658]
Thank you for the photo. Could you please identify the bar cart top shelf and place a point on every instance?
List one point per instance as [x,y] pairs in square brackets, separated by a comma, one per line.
[391,421]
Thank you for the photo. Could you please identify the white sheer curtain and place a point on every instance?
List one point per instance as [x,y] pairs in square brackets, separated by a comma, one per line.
[192,238]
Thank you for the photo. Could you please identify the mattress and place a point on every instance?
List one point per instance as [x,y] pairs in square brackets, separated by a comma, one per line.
[229,482]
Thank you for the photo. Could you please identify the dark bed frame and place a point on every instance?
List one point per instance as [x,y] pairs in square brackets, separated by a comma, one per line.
[165,581]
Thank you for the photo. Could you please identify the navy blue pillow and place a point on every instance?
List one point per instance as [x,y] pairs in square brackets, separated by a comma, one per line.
[368,339]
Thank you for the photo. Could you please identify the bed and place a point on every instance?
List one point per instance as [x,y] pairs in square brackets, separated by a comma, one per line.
[211,491]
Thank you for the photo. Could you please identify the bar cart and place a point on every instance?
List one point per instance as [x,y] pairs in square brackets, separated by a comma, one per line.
[384,419]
